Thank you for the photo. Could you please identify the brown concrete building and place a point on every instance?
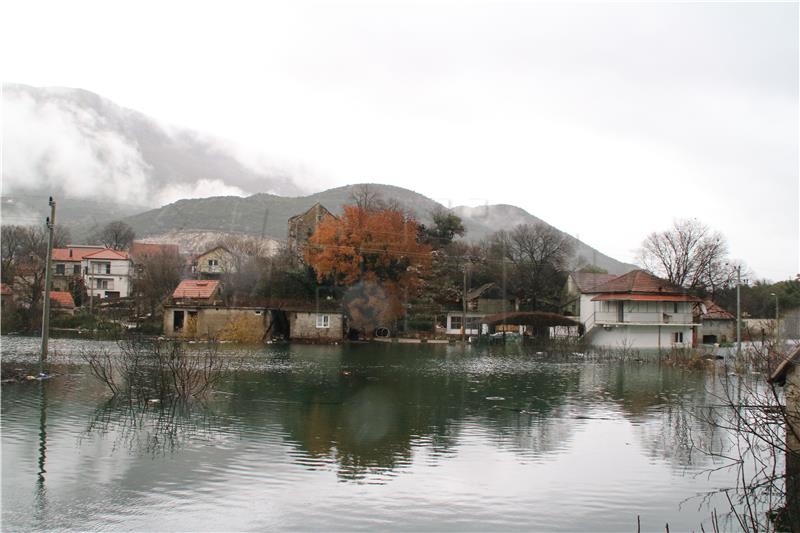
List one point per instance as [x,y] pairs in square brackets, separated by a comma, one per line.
[716,324]
[302,226]
[196,311]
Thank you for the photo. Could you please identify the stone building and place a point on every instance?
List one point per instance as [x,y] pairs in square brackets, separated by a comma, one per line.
[196,311]
[716,325]
[302,226]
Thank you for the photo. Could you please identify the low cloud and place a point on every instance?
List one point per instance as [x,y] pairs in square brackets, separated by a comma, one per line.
[60,147]
[70,143]
[203,188]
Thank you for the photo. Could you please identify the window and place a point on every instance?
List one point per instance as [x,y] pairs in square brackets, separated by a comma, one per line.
[677,337]
[101,284]
[455,322]
[213,262]
[473,323]
[177,321]
[76,269]
[60,269]
[675,308]
[323,321]
[101,268]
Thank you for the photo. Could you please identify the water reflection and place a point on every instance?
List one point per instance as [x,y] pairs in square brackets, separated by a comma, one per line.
[508,438]
[153,427]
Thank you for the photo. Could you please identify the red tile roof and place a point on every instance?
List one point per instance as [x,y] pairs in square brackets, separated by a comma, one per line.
[107,253]
[638,281]
[196,289]
[77,253]
[586,281]
[713,312]
[5,290]
[62,299]
[143,250]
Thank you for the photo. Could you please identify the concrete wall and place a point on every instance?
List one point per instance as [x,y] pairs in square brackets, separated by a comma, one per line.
[226,262]
[450,330]
[725,330]
[303,326]
[119,277]
[210,320]
[652,313]
[639,337]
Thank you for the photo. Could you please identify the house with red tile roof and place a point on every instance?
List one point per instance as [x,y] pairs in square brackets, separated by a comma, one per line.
[67,264]
[62,302]
[638,310]
[6,298]
[107,273]
[142,251]
[205,290]
[580,283]
[715,324]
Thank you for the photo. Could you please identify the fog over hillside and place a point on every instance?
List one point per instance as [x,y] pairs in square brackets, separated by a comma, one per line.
[75,144]
[104,162]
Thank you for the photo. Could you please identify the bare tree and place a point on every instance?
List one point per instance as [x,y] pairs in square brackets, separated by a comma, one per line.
[116,235]
[539,255]
[366,198]
[689,255]
[757,431]
[241,274]
[11,243]
[157,276]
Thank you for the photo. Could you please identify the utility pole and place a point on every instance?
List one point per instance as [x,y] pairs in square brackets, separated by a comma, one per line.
[51,223]
[464,305]
[777,325]
[738,312]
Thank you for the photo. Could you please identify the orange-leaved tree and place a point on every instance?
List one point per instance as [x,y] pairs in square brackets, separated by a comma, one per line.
[370,247]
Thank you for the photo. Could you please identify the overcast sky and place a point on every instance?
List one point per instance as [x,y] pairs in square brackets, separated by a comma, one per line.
[606,120]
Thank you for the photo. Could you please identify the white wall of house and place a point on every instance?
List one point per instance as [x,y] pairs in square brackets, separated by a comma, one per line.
[641,337]
[473,322]
[104,276]
[607,312]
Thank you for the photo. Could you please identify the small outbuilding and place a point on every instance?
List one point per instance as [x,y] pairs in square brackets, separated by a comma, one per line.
[787,375]
[716,324]
[62,302]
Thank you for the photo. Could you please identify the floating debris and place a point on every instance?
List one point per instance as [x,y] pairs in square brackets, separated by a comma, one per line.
[495,398]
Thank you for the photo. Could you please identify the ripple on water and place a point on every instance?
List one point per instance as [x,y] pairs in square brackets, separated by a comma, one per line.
[293,442]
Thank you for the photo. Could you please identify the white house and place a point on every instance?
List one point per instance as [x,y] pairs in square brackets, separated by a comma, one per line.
[481,301]
[637,310]
[107,273]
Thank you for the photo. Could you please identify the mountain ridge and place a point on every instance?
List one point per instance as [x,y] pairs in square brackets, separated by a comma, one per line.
[267,215]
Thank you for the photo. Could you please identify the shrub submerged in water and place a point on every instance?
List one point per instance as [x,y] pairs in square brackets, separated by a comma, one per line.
[149,369]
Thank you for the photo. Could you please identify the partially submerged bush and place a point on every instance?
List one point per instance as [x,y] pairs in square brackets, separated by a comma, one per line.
[146,369]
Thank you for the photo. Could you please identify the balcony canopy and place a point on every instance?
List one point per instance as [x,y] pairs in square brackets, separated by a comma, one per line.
[645,297]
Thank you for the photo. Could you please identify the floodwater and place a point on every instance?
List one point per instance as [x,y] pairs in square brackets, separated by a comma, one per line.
[364,437]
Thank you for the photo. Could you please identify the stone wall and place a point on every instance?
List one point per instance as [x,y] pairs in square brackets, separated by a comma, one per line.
[303,326]
[210,320]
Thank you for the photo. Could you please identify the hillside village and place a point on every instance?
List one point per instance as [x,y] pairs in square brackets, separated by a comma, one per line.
[369,272]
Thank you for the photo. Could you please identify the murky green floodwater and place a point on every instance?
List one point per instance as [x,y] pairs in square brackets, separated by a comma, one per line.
[363,437]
